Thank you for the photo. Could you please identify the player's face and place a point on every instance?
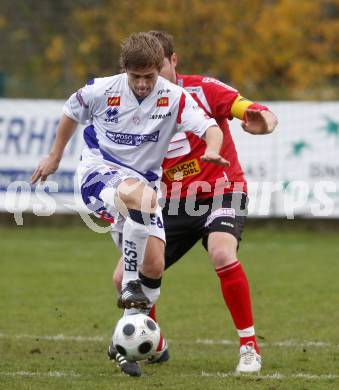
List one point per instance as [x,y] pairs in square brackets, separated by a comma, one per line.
[168,69]
[142,81]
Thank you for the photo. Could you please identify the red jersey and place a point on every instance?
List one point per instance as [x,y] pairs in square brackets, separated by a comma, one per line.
[182,165]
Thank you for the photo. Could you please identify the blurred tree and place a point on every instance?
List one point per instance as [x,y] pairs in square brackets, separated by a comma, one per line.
[269,49]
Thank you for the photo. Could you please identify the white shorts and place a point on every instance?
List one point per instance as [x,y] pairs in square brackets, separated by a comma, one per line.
[98,184]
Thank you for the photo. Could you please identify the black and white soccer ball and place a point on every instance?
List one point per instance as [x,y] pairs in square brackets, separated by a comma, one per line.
[137,337]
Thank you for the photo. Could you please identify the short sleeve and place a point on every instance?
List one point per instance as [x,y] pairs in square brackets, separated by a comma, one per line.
[191,117]
[79,106]
[220,97]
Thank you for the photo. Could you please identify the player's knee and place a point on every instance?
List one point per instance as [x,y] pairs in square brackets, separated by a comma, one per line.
[222,256]
[138,196]
[148,201]
[222,248]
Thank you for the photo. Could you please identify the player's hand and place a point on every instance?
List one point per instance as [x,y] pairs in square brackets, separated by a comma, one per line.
[259,122]
[214,157]
[46,167]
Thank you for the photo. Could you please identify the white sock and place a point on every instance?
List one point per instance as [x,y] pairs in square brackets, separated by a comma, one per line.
[152,294]
[248,332]
[133,248]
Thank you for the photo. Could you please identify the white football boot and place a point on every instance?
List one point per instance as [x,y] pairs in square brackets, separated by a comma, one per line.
[250,360]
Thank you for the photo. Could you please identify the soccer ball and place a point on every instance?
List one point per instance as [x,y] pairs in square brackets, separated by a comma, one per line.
[137,337]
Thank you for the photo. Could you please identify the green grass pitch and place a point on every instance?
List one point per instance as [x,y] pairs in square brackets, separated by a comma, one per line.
[57,312]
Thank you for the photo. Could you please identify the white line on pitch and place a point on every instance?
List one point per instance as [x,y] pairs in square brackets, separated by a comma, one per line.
[56,374]
[276,375]
[284,343]
[58,337]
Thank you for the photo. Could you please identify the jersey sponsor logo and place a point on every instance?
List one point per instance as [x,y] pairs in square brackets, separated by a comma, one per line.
[112,115]
[130,256]
[220,213]
[196,90]
[218,82]
[160,116]
[132,139]
[229,224]
[163,102]
[184,169]
[136,120]
[111,91]
[161,91]
[113,101]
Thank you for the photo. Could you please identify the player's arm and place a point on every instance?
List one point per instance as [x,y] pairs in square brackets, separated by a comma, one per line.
[77,109]
[257,119]
[214,139]
[50,163]
[192,118]
[226,102]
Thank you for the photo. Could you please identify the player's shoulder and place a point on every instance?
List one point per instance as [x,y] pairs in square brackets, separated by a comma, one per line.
[165,87]
[191,82]
[102,84]
[212,82]
[186,80]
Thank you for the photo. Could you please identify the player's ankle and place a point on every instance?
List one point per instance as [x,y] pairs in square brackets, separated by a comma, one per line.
[250,339]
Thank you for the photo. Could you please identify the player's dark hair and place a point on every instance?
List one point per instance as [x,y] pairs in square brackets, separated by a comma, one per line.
[166,41]
[141,51]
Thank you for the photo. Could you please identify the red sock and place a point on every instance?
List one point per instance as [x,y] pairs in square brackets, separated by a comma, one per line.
[154,317]
[236,292]
[152,314]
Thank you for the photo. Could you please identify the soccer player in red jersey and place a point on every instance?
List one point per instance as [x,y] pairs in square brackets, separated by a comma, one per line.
[192,183]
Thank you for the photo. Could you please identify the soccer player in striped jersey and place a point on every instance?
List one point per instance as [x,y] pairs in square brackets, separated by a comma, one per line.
[224,193]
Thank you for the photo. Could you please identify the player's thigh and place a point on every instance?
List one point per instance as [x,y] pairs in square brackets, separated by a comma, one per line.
[98,188]
[179,238]
[100,185]
[229,219]
[135,194]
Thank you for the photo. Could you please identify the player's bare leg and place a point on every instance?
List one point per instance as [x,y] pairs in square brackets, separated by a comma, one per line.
[117,275]
[222,249]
